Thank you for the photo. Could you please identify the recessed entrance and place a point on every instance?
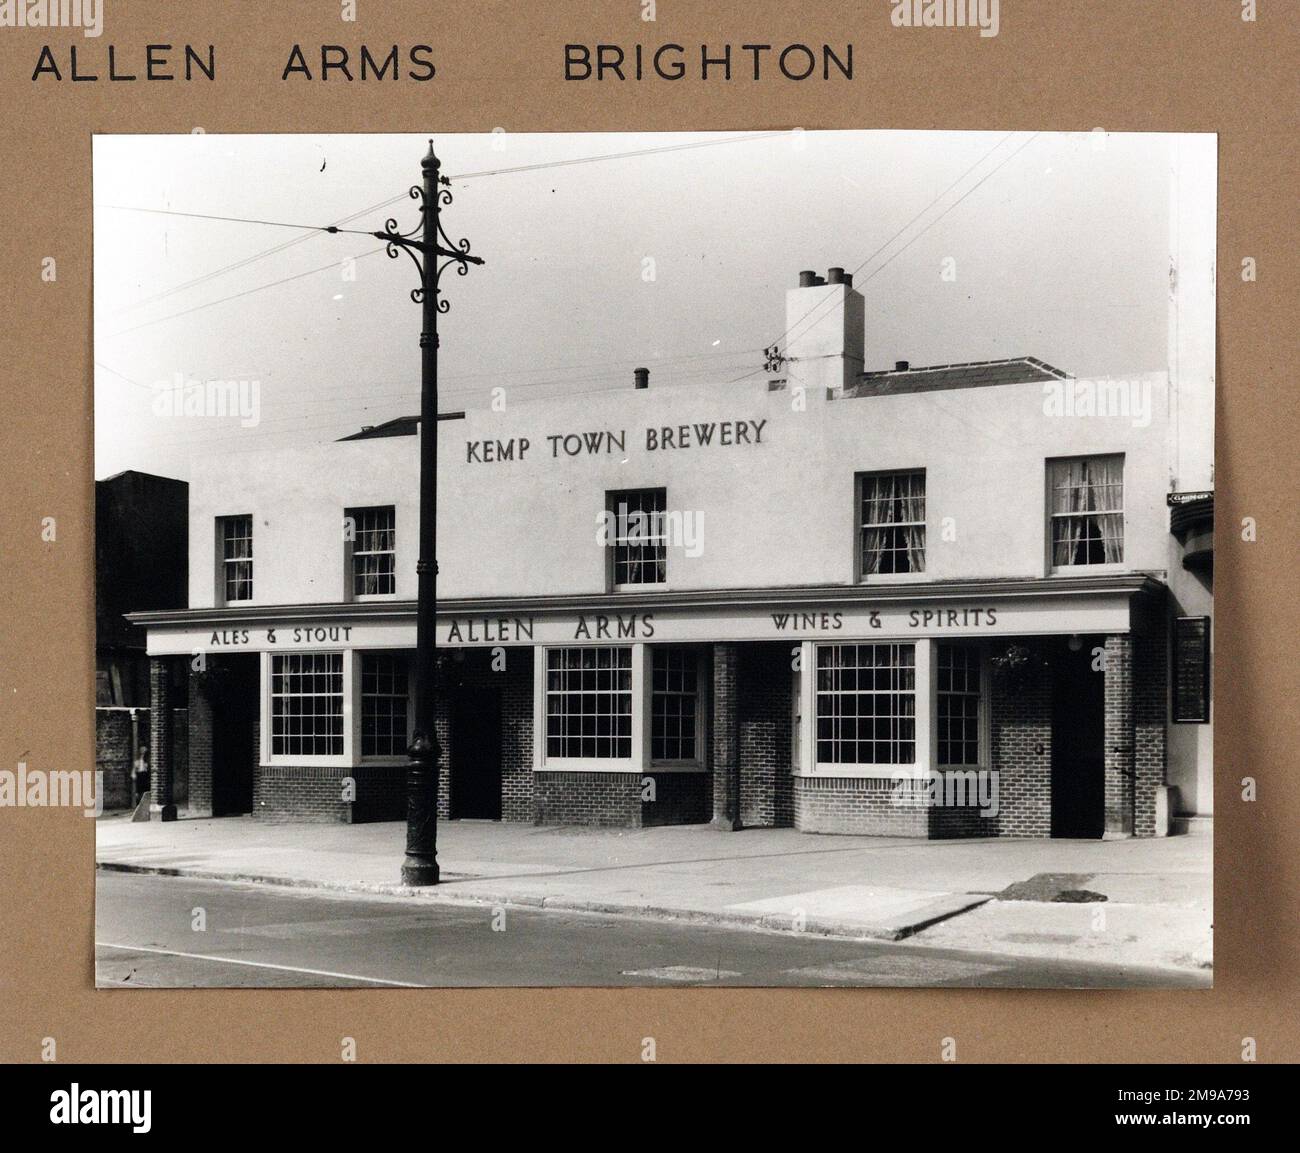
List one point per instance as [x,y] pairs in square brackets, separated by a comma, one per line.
[475,733]
[1078,740]
[233,687]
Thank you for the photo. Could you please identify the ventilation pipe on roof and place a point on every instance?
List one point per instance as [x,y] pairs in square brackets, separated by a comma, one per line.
[642,377]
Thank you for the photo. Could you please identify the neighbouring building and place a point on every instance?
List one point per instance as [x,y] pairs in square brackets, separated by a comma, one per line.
[141,541]
[827,598]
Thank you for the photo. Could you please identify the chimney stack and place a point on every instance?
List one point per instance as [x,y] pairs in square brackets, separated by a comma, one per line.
[642,376]
[826,331]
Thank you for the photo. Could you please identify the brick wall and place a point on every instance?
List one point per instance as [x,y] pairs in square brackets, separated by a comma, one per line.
[679,799]
[724,734]
[962,820]
[113,753]
[442,730]
[517,738]
[764,684]
[161,763]
[1021,739]
[199,730]
[1119,733]
[866,806]
[291,793]
[1150,704]
[607,800]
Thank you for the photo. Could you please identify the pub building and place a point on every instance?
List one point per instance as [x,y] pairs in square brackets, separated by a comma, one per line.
[786,601]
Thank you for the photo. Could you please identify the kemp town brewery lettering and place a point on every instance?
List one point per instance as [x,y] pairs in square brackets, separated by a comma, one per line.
[606,442]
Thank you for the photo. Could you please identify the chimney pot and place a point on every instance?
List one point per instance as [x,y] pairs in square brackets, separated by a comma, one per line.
[835,275]
[642,376]
[807,278]
[901,366]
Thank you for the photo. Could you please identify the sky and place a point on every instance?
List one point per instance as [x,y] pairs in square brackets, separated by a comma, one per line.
[676,257]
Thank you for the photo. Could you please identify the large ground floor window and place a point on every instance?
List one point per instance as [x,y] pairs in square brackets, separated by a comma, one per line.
[307,704]
[589,703]
[866,704]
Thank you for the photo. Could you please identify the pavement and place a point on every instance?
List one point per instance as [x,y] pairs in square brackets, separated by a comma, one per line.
[1138,903]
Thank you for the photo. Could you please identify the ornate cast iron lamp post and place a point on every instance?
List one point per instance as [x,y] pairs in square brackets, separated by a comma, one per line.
[433,253]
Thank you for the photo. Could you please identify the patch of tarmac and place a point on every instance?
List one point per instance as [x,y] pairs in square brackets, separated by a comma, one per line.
[1065,888]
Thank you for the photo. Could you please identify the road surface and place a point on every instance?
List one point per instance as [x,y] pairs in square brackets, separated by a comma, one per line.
[156,931]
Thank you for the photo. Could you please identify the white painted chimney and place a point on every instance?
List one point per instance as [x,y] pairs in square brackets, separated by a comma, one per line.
[825,333]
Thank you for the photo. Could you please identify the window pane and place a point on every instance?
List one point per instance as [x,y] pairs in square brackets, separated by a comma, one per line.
[384,705]
[307,704]
[1087,510]
[374,551]
[958,704]
[589,702]
[673,705]
[892,522]
[866,704]
[640,542]
[237,557]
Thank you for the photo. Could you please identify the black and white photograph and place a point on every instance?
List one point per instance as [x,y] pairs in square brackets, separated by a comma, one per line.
[773,558]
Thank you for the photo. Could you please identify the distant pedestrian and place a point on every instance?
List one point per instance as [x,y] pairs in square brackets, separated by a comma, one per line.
[140,773]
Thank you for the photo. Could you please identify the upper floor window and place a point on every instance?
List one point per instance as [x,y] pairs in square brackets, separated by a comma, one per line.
[892,522]
[236,536]
[374,551]
[638,537]
[1086,497]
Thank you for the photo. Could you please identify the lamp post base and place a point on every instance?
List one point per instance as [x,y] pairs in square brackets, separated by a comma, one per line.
[419,872]
[420,866]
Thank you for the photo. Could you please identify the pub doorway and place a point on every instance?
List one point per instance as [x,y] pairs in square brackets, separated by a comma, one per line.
[475,731]
[1078,740]
[234,693]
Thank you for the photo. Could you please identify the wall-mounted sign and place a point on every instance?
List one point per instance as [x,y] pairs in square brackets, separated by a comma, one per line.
[895,620]
[607,442]
[1174,499]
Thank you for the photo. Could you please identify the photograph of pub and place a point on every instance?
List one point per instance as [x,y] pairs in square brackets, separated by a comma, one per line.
[716,631]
